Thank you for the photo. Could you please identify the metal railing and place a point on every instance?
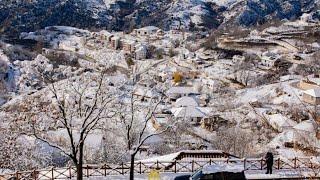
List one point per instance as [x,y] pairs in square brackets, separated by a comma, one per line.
[301,164]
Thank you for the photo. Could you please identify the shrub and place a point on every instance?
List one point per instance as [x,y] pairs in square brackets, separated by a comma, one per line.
[177,77]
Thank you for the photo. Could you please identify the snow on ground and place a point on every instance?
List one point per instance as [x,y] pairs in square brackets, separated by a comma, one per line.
[269,93]
[280,122]
[93,140]
[219,70]
[223,2]
[192,10]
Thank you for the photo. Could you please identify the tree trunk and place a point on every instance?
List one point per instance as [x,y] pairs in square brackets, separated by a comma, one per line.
[79,172]
[80,163]
[132,167]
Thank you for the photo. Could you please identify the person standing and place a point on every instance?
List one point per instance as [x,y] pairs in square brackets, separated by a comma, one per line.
[269,161]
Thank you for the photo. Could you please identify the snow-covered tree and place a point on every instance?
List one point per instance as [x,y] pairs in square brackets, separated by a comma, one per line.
[20,152]
[135,115]
[75,108]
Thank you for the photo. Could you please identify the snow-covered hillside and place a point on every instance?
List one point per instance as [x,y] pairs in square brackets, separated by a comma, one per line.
[122,15]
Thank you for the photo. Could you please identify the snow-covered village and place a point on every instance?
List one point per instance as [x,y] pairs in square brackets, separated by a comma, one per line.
[170,90]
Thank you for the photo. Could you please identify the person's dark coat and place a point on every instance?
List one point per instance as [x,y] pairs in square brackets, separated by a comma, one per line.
[269,158]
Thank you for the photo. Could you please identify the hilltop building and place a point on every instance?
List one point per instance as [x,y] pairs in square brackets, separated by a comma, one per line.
[146,31]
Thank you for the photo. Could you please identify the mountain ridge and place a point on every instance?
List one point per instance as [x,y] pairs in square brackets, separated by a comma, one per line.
[22,16]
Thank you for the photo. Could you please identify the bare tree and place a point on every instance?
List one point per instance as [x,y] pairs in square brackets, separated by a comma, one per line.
[310,67]
[79,107]
[235,141]
[134,116]
[242,72]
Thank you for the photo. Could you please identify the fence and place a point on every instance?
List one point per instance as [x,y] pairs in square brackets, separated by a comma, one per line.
[171,167]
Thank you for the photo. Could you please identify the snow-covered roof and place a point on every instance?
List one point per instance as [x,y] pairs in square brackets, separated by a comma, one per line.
[186,101]
[173,156]
[313,92]
[149,28]
[268,55]
[146,92]
[105,33]
[182,90]
[188,112]
[115,38]
[165,158]
[234,168]
[286,136]
[305,126]
[306,17]
[117,79]
[315,80]
[290,77]
[129,41]
[141,47]
[281,121]
[315,45]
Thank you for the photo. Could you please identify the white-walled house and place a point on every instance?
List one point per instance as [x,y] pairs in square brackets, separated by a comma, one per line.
[145,93]
[238,58]
[186,54]
[187,108]
[140,52]
[210,83]
[105,35]
[311,96]
[146,31]
[128,45]
[115,42]
[186,101]
[290,77]
[269,59]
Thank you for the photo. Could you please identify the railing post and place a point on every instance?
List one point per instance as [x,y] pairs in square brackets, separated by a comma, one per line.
[295,162]
[244,163]
[210,161]
[87,170]
[122,168]
[140,168]
[261,163]
[17,175]
[192,166]
[278,163]
[175,166]
[227,160]
[34,174]
[70,172]
[157,164]
[52,173]
[105,169]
